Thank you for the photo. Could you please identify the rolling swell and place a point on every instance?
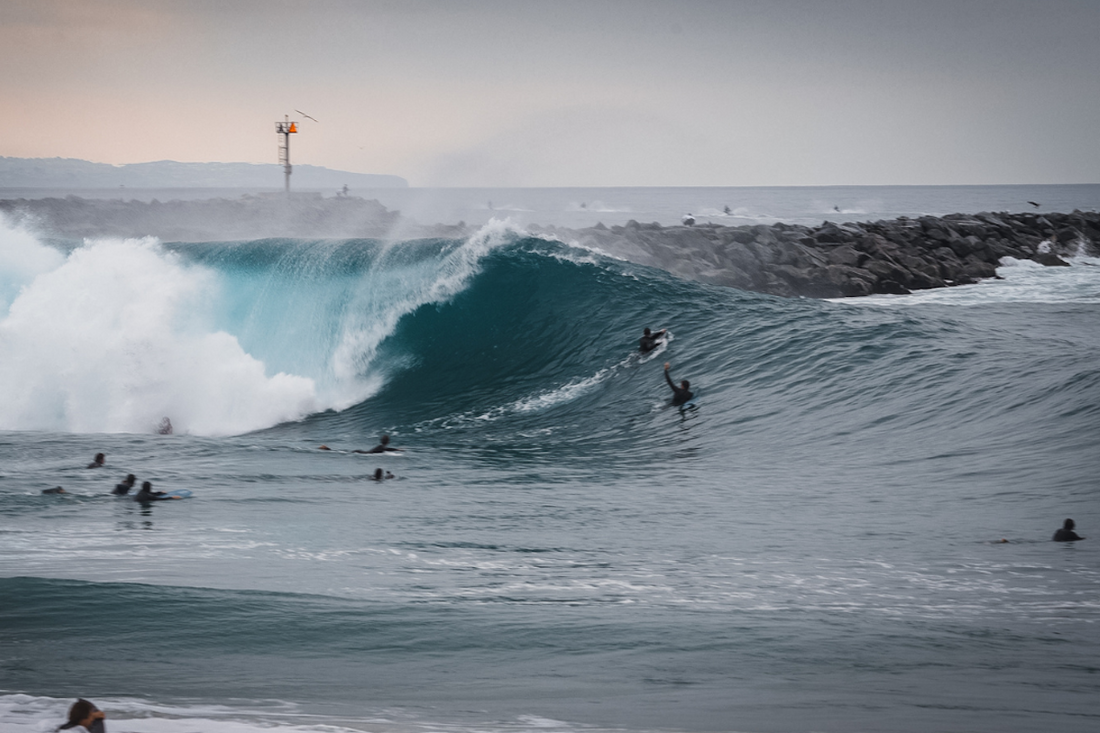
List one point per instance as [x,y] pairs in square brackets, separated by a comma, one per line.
[536,357]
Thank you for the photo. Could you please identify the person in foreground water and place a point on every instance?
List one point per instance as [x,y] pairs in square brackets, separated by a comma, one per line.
[649,340]
[1066,533]
[680,394]
[85,716]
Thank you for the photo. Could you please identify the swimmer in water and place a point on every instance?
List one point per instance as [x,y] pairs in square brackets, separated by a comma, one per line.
[649,340]
[680,394]
[127,483]
[147,494]
[383,447]
[84,717]
[55,490]
[100,459]
[1066,533]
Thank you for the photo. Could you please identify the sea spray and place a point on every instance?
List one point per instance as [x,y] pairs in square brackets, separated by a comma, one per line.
[223,339]
[116,337]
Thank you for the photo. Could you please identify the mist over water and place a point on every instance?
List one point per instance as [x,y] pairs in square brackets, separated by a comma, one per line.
[815,547]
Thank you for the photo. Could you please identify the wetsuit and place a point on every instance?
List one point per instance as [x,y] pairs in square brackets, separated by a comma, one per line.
[680,395]
[649,343]
[1066,535]
[122,489]
[144,495]
[384,448]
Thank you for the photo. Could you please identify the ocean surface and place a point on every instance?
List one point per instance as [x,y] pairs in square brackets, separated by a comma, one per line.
[850,531]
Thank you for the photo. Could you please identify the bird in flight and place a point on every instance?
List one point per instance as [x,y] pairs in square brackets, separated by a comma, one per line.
[303,114]
[1030,202]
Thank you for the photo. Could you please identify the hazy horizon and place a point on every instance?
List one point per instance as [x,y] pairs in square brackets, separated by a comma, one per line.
[611,93]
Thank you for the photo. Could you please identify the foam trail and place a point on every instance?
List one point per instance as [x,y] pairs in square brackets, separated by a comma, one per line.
[116,336]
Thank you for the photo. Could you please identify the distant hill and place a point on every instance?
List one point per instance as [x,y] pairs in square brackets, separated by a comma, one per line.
[75,173]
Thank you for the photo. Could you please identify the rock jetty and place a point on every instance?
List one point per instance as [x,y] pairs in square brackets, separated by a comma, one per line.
[851,259]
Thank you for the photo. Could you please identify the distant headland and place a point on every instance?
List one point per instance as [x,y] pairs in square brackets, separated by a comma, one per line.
[72,173]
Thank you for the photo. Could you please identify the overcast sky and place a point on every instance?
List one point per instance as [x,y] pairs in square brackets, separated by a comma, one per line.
[567,93]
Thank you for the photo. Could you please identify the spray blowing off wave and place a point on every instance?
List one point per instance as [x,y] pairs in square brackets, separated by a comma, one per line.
[124,332]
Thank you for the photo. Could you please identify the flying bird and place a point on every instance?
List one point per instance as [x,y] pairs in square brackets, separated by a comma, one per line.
[1034,204]
[303,114]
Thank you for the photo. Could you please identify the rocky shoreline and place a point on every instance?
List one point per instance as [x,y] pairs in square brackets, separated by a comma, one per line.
[851,259]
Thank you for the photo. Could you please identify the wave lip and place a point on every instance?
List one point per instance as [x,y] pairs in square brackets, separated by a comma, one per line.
[120,333]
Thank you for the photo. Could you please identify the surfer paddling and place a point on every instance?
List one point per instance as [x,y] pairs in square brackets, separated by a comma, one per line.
[680,394]
[650,340]
[1066,533]
[382,447]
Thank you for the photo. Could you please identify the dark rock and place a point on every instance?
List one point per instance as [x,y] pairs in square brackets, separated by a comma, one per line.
[1050,259]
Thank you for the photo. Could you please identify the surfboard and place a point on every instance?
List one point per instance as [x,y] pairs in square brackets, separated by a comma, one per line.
[690,403]
[177,494]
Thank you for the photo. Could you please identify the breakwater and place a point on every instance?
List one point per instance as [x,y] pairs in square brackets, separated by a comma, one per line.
[830,260]
[850,259]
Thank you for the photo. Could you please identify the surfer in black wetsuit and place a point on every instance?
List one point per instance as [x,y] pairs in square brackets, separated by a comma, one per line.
[680,394]
[383,447]
[649,340]
[147,494]
[124,488]
[1066,533]
[100,459]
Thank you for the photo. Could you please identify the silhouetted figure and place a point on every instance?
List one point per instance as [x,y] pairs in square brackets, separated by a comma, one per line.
[1066,533]
[123,488]
[680,394]
[165,427]
[727,210]
[649,340]
[383,447]
[84,716]
[100,459]
[147,494]
[1034,204]
[55,490]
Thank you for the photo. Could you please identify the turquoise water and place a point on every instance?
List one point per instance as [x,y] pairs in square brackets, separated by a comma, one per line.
[815,547]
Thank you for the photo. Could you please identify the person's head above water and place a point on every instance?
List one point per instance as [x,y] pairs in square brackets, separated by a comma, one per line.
[146,486]
[130,479]
[647,332]
[385,440]
[1069,524]
[99,460]
[377,474]
[83,713]
[685,383]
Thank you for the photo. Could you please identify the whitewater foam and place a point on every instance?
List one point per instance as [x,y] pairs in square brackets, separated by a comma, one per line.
[1019,281]
[115,336]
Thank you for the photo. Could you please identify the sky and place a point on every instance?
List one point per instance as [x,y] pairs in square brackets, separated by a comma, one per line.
[503,93]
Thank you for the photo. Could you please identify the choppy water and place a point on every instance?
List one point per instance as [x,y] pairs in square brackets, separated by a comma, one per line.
[815,547]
